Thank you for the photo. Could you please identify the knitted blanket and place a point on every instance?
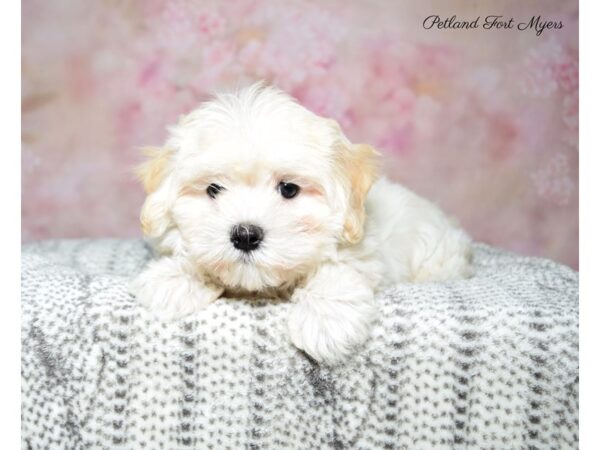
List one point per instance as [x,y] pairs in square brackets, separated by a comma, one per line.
[485,363]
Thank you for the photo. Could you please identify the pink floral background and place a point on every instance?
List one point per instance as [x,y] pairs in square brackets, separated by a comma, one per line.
[483,122]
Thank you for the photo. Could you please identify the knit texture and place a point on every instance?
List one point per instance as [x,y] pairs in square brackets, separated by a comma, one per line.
[485,363]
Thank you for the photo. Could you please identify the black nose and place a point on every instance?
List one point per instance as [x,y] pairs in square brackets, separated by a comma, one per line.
[246,237]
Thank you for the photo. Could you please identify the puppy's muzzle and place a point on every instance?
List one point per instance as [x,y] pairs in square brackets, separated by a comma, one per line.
[246,237]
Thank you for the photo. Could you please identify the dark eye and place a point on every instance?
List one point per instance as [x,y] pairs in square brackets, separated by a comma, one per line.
[288,190]
[213,189]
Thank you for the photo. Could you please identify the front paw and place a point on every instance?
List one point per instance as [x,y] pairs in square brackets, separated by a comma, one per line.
[170,291]
[329,330]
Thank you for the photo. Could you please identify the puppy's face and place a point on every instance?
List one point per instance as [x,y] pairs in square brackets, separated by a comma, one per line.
[255,190]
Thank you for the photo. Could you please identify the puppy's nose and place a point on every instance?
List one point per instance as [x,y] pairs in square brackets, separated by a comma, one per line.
[246,237]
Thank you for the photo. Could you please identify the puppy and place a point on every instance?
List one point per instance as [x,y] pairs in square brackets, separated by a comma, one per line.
[253,194]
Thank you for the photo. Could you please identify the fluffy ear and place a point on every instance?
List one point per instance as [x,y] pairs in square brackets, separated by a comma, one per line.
[357,165]
[154,217]
[152,173]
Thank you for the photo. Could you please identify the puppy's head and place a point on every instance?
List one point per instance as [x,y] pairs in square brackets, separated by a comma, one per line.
[255,189]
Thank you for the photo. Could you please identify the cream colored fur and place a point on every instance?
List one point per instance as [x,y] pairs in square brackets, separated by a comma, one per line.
[329,249]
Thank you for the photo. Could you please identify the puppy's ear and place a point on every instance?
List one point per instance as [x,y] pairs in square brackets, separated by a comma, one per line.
[357,166]
[153,171]
[154,217]
[155,213]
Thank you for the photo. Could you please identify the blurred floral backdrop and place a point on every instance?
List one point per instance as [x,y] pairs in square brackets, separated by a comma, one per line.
[484,122]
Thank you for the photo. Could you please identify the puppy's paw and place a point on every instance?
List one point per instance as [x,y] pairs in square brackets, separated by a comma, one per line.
[329,330]
[170,291]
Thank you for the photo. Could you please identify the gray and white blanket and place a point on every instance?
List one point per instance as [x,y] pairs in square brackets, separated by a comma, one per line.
[485,363]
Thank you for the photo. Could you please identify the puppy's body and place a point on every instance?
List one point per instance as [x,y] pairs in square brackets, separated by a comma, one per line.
[410,239]
[253,194]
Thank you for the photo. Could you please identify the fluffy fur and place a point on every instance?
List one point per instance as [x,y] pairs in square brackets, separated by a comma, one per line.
[329,249]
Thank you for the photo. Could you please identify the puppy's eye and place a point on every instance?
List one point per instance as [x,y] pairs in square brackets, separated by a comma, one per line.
[288,190]
[213,189]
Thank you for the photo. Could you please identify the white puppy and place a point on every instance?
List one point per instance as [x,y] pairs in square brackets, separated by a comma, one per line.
[255,195]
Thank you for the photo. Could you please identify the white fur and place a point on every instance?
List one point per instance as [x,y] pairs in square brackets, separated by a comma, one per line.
[248,142]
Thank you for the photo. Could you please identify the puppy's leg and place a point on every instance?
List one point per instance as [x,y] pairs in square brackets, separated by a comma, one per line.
[441,252]
[170,288]
[332,314]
